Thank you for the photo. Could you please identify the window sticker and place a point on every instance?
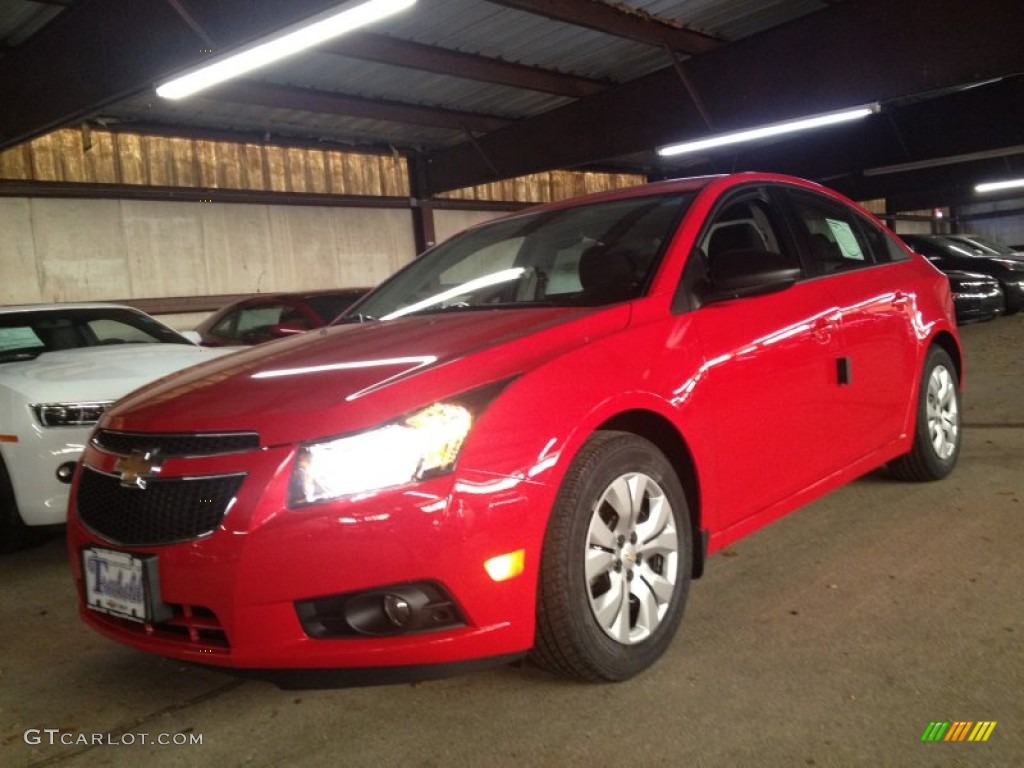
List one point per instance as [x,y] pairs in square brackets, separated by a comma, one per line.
[846,240]
[18,338]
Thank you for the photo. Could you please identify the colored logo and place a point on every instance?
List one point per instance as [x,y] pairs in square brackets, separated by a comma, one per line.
[136,469]
[958,730]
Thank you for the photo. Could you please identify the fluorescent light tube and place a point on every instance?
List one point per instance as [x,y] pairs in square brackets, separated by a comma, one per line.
[994,186]
[765,131]
[288,41]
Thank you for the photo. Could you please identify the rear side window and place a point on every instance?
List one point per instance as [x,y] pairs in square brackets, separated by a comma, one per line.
[883,244]
[837,238]
[254,321]
[833,234]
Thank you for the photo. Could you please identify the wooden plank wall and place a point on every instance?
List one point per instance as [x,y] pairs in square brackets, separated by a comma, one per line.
[546,187]
[56,249]
[92,156]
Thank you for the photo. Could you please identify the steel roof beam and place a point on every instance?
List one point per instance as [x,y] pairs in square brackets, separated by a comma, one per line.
[848,54]
[326,102]
[618,22]
[402,53]
[119,49]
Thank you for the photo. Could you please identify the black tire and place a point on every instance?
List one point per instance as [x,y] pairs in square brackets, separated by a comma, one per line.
[1009,309]
[14,534]
[642,564]
[938,432]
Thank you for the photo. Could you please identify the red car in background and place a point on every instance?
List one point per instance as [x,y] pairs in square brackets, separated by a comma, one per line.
[261,318]
[527,441]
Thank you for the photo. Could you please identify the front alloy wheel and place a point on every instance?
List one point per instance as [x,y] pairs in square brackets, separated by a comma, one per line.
[631,558]
[616,563]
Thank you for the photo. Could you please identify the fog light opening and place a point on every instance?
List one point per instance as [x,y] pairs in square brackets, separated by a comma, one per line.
[66,472]
[393,610]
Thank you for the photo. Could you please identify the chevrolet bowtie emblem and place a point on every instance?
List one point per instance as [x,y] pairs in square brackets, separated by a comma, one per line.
[136,469]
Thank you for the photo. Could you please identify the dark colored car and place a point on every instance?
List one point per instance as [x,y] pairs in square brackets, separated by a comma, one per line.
[273,316]
[986,245]
[975,296]
[947,254]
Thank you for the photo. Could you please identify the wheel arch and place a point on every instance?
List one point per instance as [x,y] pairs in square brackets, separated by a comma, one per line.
[663,434]
[946,341]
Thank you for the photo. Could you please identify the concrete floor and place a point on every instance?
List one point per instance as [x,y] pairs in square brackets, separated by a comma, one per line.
[831,638]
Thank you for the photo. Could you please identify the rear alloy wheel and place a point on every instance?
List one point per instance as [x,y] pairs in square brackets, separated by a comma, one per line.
[937,434]
[616,564]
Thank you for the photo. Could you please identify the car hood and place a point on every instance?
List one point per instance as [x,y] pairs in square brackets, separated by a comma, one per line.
[98,373]
[348,377]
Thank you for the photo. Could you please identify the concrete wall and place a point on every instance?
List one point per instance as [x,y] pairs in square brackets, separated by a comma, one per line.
[54,250]
[1000,220]
[450,222]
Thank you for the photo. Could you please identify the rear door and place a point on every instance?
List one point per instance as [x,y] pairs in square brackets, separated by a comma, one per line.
[867,275]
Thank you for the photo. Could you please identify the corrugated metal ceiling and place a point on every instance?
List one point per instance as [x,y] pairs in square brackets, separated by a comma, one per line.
[467,26]
[485,89]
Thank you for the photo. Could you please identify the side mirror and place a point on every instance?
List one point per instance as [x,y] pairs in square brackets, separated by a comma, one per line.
[748,272]
[193,336]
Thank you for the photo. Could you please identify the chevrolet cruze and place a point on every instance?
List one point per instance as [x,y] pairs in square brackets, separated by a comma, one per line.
[526,442]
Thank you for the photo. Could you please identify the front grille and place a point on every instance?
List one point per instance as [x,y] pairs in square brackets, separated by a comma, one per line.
[176,444]
[167,511]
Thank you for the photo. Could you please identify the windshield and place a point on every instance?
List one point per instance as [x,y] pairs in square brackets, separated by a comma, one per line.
[26,335]
[984,246]
[585,255]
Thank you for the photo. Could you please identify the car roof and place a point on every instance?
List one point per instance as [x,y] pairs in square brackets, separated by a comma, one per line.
[64,307]
[668,186]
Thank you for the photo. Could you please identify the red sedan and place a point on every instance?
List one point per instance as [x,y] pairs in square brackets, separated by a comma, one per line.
[528,441]
[256,319]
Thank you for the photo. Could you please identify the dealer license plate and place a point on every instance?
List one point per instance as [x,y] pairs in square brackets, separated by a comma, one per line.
[119,583]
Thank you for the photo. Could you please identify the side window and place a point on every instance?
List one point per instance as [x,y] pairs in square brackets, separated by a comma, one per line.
[110,331]
[746,236]
[832,233]
[226,327]
[883,246]
[255,322]
[744,225]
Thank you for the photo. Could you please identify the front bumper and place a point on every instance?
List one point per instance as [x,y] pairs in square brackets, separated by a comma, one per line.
[32,463]
[233,597]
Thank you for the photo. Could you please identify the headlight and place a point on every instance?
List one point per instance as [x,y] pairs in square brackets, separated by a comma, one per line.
[419,446]
[70,414]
